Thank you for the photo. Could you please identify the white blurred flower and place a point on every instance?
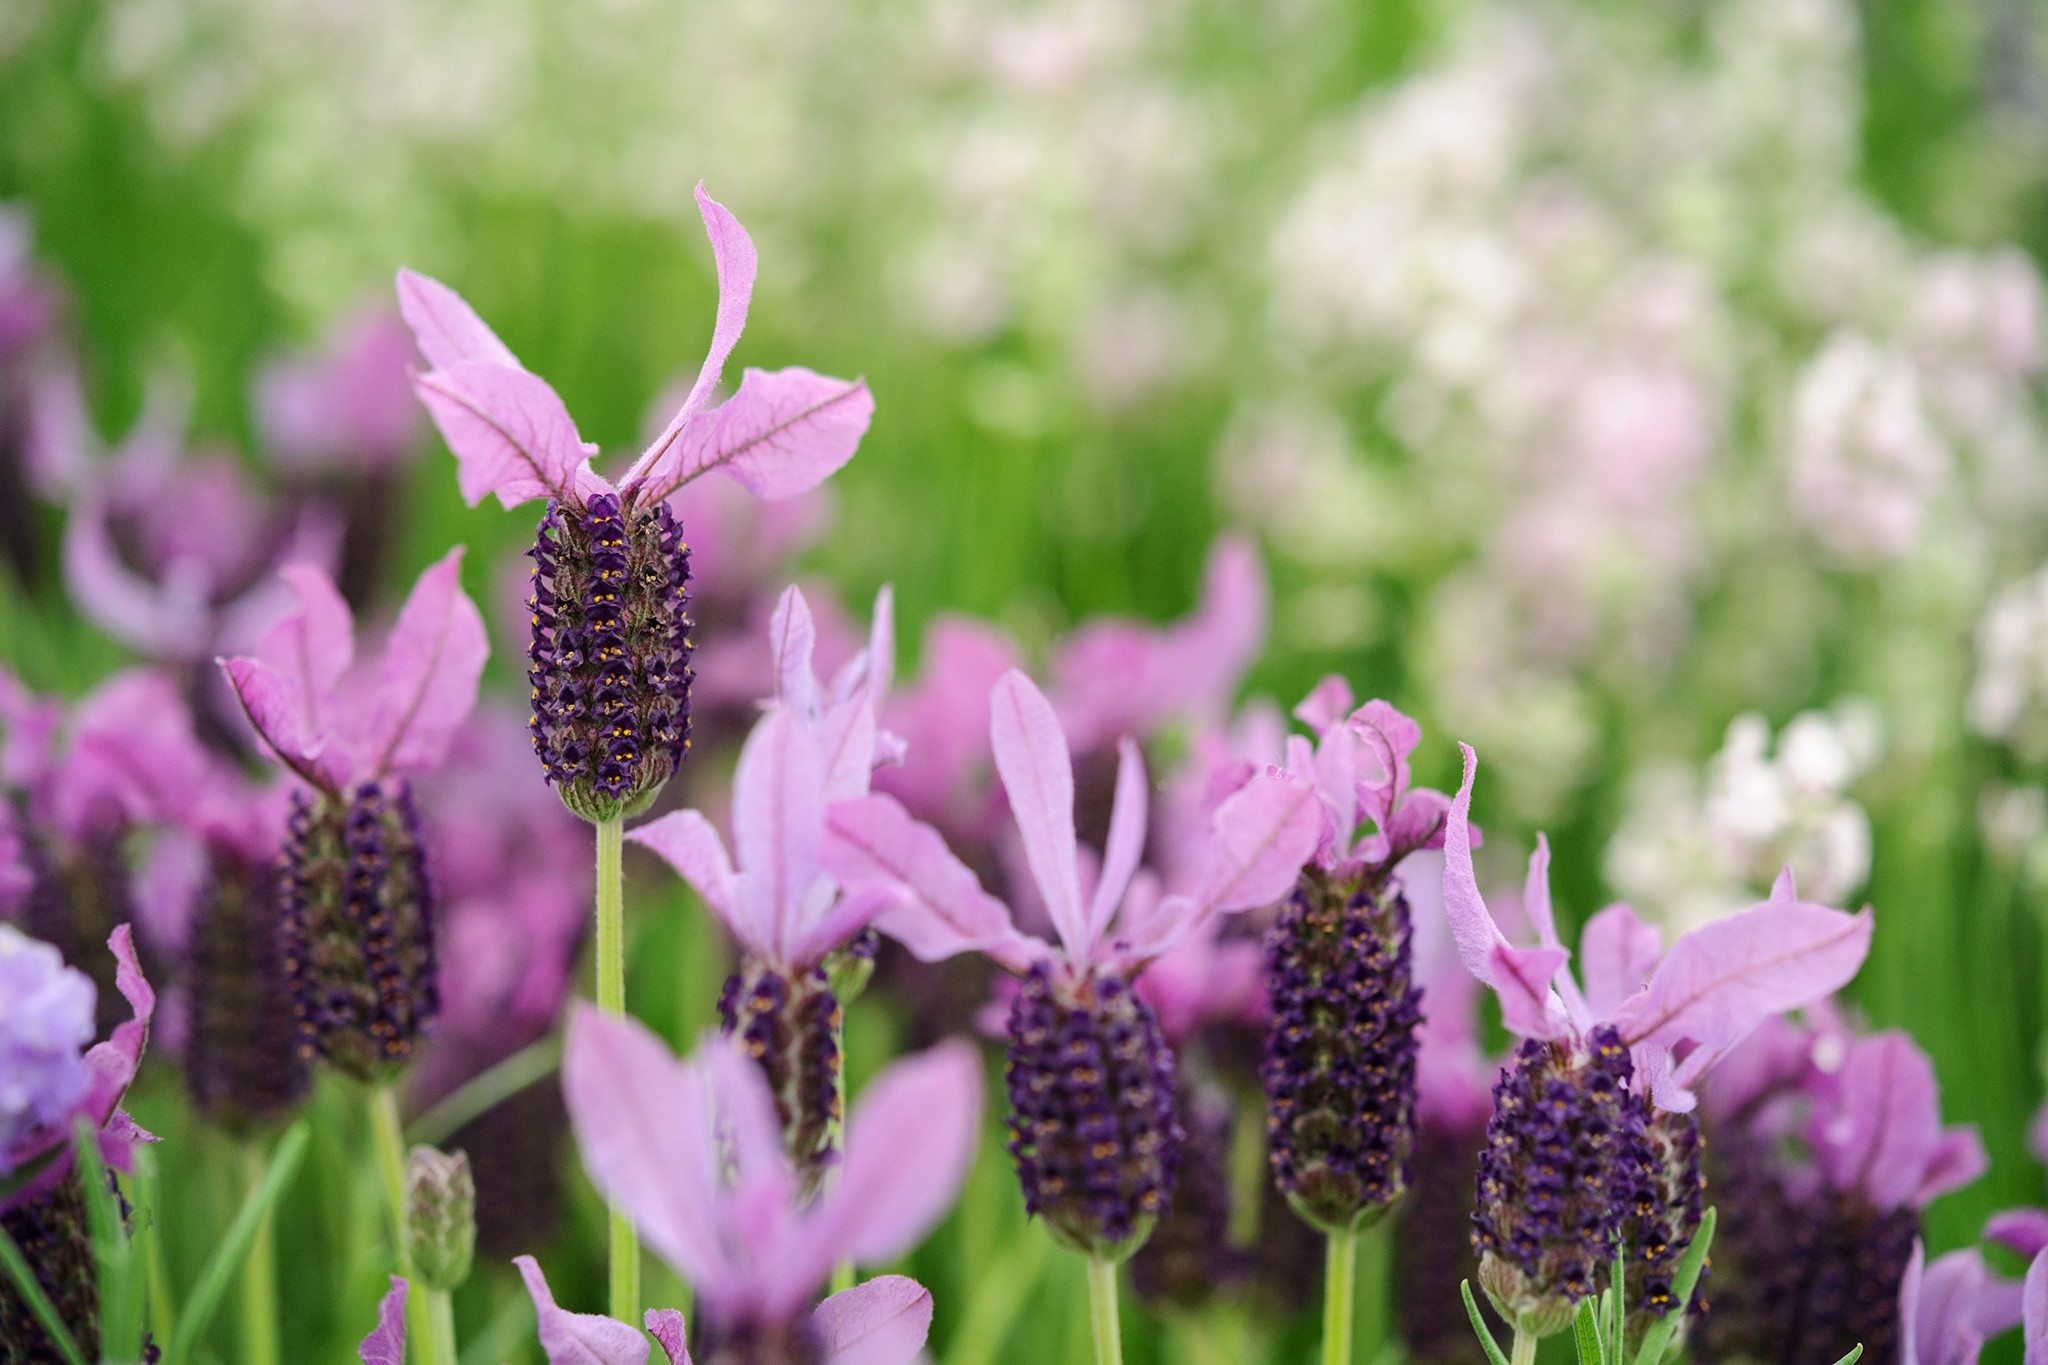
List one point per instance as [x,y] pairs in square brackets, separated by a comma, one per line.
[2009,699]
[1866,464]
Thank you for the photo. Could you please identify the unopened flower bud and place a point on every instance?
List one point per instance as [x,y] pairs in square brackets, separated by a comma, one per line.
[440,1216]
[1092,1128]
[609,657]
[359,927]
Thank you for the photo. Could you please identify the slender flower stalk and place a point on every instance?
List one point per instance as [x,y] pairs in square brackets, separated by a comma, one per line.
[259,1273]
[1106,1327]
[1340,1283]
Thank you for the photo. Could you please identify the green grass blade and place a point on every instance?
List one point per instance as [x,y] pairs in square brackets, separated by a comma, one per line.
[1614,1303]
[1658,1338]
[31,1289]
[1855,1354]
[228,1257]
[113,1253]
[1586,1335]
[1486,1341]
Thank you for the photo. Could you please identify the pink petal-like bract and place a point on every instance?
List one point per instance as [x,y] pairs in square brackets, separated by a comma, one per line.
[734,258]
[783,432]
[1038,777]
[909,1143]
[1617,953]
[1722,979]
[2034,1309]
[578,1338]
[271,704]
[665,1325]
[688,842]
[386,1343]
[882,1322]
[1261,835]
[1890,1120]
[433,661]
[508,431]
[2022,1231]
[447,329]
[1522,978]
[312,646]
[641,1124]
[1126,843]
[792,636]
[1519,976]
[944,910]
[778,818]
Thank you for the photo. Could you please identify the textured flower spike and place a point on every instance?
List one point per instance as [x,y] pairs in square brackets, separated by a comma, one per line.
[1090,1075]
[789,916]
[1339,1062]
[45,1017]
[1576,1154]
[1806,1265]
[692,1151]
[609,659]
[359,905]
[1117,677]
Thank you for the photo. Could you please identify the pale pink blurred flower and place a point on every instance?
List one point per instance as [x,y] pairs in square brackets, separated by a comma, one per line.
[347,406]
[1866,464]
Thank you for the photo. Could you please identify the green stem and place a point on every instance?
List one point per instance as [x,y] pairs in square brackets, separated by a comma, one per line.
[843,1277]
[1375,1265]
[611,998]
[1340,1286]
[1248,1172]
[440,1327]
[1524,1352]
[387,1134]
[1109,1336]
[259,1274]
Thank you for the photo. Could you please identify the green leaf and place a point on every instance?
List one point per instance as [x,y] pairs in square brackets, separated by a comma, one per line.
[1615,1304]
[1486,1341]
[234,1249]
[1658,1338]
[1586,1334]
[113,1254]
[1855,1354]
[31,1289]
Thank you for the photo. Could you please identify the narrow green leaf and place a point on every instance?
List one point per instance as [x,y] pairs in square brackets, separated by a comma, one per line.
[1658,1338]
[1586,1334]
[1855,1354]
[1486,1341]
[114,1256]
[1614,1303]
[234,1249]
[31,1289]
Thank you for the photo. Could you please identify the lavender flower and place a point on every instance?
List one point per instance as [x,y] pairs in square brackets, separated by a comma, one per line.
[1339,1064]
[1592,1139]
[358,901]
[609,658]
[693,1152]
[1811,1255]
[43,1207]
[811,749]
[1090,1076]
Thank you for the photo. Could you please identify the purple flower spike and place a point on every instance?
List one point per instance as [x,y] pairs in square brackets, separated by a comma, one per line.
[358,926]
[609,660]
[693,1152]
[1601,1067]
[1090,1075]
[44,1207]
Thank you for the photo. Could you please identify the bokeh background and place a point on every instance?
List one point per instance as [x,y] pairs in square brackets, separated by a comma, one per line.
[1648,393]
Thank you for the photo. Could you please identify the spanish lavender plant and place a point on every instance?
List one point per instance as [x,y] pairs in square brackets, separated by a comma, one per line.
[1811,1255]
[1592,1141]
[792,920]
[1339,1060]
[358,900]
[1089,1073]
[609,657]
[694,1151]
[55,1084]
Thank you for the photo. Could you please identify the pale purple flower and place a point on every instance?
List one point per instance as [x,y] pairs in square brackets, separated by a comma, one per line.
[1114,677]
[693,1153]
[1950,1306]
[781,433]
[1705,994]
[338,721]
[1876,1127]
[1360,763]
[386,1343]
[348,406]
[1454,1073]
[40,1121]
[946,776]
[1260,837]
[46,1022]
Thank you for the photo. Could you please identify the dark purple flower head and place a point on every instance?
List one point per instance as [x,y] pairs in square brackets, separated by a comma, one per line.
[609,659]
[358,903]
[1190,1259]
